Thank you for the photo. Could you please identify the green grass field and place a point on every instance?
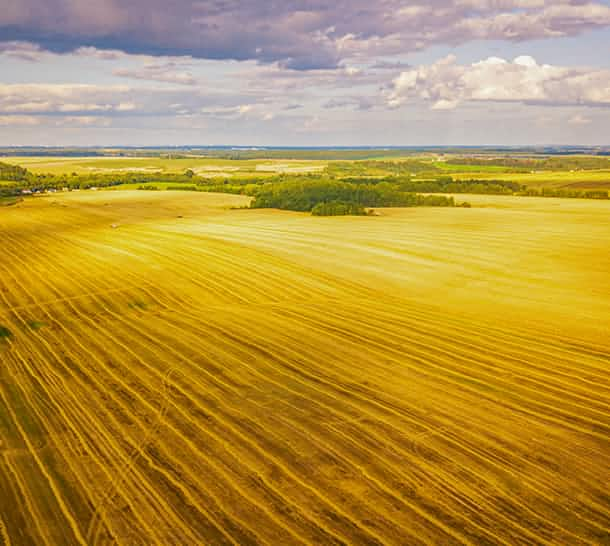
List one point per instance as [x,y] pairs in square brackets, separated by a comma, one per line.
[599,179]
[453,168]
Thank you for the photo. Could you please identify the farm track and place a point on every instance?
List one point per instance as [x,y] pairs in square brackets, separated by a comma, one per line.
[224,379]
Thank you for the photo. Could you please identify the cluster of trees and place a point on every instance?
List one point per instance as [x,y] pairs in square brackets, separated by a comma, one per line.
[305,195]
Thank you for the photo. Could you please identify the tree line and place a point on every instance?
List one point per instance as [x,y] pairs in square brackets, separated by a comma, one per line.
[561,192]
[445,184]
[525,164]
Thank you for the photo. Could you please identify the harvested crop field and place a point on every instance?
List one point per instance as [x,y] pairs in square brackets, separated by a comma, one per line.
[177,372]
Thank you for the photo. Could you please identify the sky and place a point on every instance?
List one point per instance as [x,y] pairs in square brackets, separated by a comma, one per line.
[304,72]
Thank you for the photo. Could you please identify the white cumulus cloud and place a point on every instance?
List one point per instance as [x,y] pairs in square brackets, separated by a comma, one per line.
[446,84]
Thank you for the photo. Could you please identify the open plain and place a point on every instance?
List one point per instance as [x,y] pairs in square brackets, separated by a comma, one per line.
[178,371]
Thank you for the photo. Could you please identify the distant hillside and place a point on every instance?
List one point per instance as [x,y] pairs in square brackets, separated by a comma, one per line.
[12,172]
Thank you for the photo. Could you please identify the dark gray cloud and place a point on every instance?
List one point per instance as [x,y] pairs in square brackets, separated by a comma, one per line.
[299,34]
[24,51]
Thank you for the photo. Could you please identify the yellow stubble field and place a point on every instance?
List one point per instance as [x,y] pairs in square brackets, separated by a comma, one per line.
[173,371]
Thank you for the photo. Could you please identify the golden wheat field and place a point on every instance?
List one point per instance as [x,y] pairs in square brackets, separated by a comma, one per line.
[177,372]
